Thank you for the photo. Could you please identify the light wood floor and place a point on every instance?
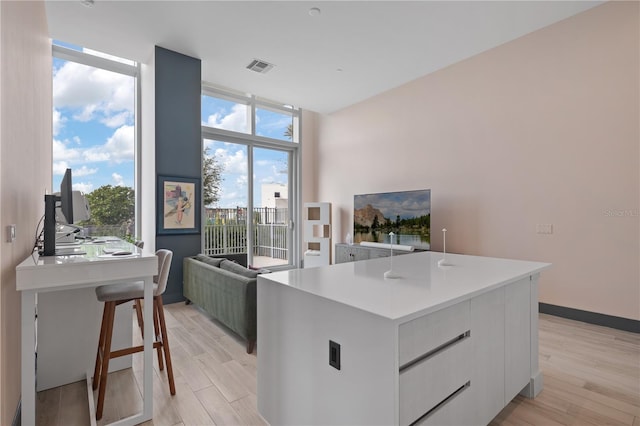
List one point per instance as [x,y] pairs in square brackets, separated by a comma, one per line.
[591,377]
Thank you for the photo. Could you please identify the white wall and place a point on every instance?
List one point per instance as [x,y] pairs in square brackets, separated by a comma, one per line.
[25,166]
[541,130]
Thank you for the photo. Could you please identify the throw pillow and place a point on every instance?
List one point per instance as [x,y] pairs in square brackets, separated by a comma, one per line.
[213,261]
[238,269]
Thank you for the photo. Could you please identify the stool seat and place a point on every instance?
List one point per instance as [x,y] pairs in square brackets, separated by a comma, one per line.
[124,291]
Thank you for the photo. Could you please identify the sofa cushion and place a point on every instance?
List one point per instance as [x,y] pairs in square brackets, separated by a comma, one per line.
[231,266]
[213,261]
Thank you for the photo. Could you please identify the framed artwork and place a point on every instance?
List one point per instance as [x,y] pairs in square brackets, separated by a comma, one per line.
[178,210]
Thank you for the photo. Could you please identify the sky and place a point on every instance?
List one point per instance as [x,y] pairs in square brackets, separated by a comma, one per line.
[93,126]
[94,134]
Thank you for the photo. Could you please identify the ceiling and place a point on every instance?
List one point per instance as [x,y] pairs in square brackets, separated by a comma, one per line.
[350,51]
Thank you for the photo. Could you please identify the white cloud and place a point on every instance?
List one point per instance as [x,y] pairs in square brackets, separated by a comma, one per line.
[232,162]
[61,151]
[98,93]
[279,169]
[59,167]
[117,149]
[116,120]
[86,114]
[235,121]
[84,171]
[118,179]
[121,144]
[84,187]
[232,199]
[58,121]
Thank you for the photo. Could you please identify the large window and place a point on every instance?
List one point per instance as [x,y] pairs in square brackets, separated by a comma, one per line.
[250,158]
[94,134]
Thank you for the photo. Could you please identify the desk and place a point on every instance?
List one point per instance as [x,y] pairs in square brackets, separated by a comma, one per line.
[441,345]
[37,274]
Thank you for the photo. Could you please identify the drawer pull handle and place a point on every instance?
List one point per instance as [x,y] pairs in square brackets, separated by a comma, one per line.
[443,402]
[435,351]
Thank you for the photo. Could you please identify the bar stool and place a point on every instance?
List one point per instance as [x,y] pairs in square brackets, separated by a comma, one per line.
[114,295]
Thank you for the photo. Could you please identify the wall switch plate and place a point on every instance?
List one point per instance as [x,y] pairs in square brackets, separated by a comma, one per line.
[334,354]
[11,233]
[544,228]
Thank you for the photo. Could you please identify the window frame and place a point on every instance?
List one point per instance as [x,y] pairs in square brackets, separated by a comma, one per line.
[252,140]
[84,58]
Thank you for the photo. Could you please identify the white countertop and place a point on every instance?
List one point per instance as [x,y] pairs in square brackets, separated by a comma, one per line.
[422,286]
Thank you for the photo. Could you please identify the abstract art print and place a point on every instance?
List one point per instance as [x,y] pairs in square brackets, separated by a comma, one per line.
[178,205]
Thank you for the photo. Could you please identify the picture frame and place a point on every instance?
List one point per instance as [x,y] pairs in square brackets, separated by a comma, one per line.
[178,205]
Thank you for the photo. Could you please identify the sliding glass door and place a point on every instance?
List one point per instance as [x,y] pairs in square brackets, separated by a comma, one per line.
[250,177]
[245,215]
[271,207]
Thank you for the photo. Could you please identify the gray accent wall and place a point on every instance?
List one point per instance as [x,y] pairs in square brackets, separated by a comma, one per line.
[178,145]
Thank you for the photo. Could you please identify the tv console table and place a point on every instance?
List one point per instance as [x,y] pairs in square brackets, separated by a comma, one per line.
[354,252]
[445,345]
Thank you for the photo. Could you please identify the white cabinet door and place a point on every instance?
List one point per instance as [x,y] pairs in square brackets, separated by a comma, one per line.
[487,332]
[517,337]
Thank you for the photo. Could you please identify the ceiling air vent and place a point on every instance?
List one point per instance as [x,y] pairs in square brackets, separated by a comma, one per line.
[259,66]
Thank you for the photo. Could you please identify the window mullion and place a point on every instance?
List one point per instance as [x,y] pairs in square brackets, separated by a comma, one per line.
[253,115]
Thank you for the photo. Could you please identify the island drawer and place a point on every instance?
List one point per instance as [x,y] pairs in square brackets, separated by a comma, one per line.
[456,410]
[424,334]
[429,384]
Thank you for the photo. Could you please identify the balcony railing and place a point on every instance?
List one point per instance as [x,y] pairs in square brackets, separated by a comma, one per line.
[269,240]
[225,231]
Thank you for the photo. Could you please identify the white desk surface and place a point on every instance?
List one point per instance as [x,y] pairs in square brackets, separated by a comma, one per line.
[423,286]
[45,273]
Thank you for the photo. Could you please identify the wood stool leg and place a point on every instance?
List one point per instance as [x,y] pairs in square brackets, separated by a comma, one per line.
[165,345]
[156,334]
[138,307]
[110,308]
[103,329]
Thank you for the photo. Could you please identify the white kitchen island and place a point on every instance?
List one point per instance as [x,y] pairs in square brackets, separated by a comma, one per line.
[438,345]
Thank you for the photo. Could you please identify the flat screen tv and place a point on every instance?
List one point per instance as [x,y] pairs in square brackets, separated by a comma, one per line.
[407,214]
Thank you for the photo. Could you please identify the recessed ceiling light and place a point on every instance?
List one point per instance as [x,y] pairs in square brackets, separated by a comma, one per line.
[88,3]
[314,11]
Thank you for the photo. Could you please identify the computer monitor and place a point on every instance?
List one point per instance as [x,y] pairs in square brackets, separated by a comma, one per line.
[66,197]
[81,209]
[51,202]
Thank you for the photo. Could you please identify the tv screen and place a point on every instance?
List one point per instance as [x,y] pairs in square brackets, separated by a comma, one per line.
[407,214]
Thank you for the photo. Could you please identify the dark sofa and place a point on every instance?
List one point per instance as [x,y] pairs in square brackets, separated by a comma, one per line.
[225,290]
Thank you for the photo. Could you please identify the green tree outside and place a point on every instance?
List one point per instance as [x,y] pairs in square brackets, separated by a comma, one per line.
[211,178]
[111,205]
[289,132]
